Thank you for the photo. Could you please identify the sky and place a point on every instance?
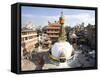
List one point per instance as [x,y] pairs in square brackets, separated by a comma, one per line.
[40,16]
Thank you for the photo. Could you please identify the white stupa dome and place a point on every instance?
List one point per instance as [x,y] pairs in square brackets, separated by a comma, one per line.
[62,47]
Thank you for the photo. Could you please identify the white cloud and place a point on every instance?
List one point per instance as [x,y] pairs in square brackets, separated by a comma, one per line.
[70,20]
[27,15]
[79,18]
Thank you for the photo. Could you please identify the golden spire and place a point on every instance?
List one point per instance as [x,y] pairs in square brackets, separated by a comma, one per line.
[62,14]
[62,36]
[61,19]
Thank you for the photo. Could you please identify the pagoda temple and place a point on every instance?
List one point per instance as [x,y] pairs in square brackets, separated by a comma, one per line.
[56,30]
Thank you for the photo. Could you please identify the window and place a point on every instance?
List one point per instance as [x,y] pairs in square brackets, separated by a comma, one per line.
[26,38]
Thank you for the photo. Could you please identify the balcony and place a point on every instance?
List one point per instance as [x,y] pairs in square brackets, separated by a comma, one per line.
[53,35]
[29,35]
[53,27]
[52,31]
